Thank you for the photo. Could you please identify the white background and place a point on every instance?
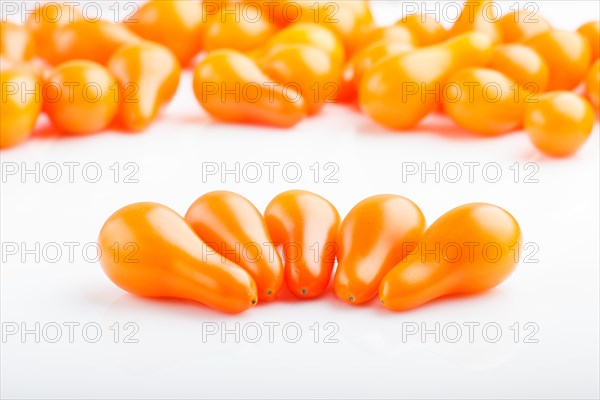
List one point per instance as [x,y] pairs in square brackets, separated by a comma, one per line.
[556,292]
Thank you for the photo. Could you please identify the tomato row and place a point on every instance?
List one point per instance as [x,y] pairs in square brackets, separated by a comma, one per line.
[286,60]
[227,255]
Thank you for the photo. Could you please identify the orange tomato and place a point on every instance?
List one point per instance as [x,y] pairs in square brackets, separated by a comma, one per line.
[231,87]
[45,19]
[485,101]
[394,34]
[305,225]
[305,57]
[591,31]
[364,60]
[306,34]
[567,55]
[6,64]
[349,20]
[425,27]
[16,42]
[20,105]
[149,250]
[272,11]
[362,10]
[309,70]
[341,17]
[176,24]
[80,97]
[592,85]
[402,89]
[522,64]
[148,76]
[470,249]
[520,25]
[36,66]
[559,123]
[478,16]
[375,236]
[88,40]
[234,228]
[230,28]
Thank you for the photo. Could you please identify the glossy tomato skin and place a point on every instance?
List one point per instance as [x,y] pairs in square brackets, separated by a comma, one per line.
[349,20]
[568,56]
[478,16]
[520,25]
[592,85]
[87,40]
[16,42]
[147,249]
[375,236]
[401,90]
[234,228]
[231,30]
[18,110]
[364,60]
[45,19]
[307,69]
[522,64]
[148,76]
[426,28]
[306,33]
[305,225]
[80,97]
[559,123]
[231,87]
[389,34]
[485,101]
[470,249]
[591,31]
[177,25]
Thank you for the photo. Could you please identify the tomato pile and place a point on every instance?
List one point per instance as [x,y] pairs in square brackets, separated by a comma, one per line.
[278,62]
[225,254]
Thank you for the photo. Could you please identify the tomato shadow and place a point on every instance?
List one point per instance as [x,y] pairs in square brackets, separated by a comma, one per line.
[448,301]
[45,130]
[372,128]
[441,125]
[533,155]
[132,305]
[332,300]
[195,119]
[210,122]
[435,124]
[352,105]
[284,296]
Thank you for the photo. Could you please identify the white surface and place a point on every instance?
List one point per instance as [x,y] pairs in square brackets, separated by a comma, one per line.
[559,294]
